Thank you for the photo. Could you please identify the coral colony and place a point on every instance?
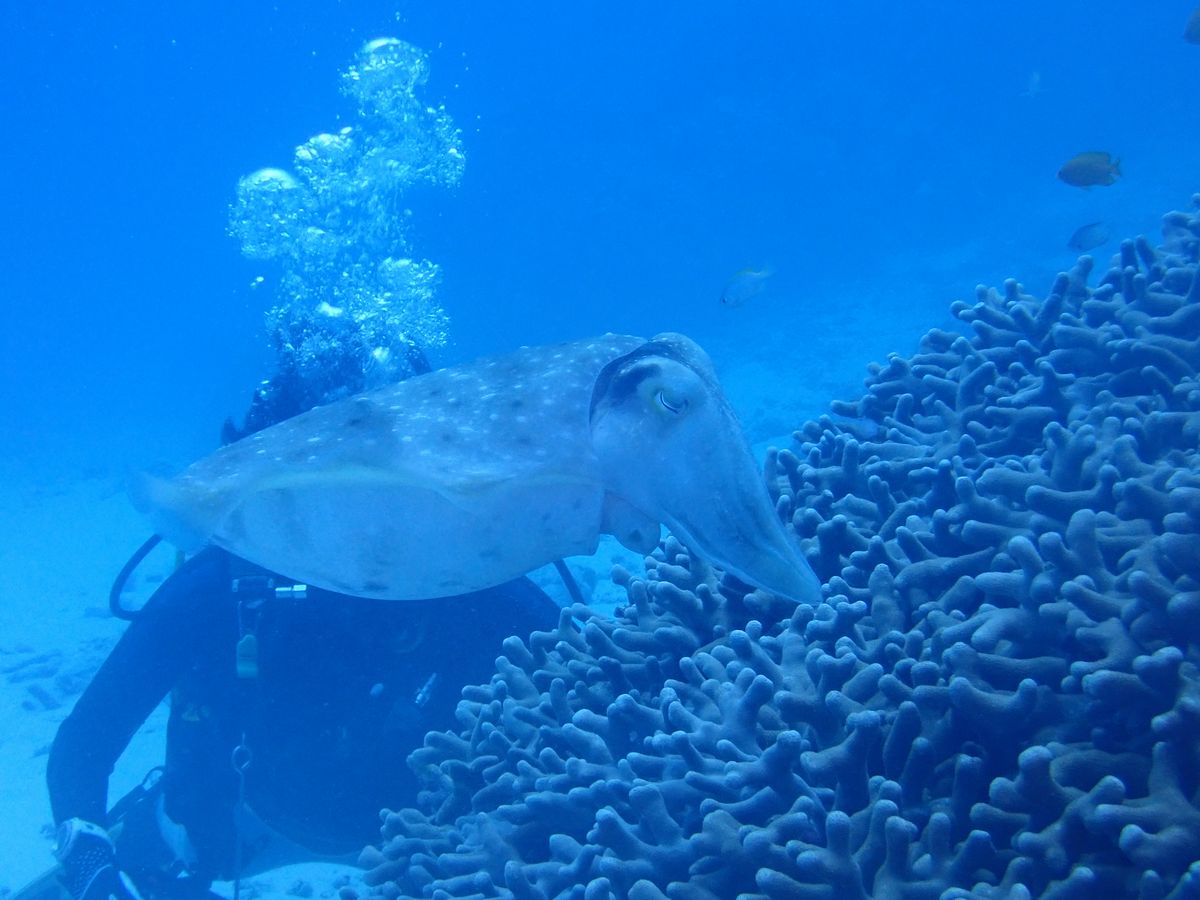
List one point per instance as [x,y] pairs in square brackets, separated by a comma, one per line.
[998,698]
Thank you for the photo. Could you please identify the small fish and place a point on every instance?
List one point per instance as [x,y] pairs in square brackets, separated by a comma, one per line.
[422,696]
[1088,237]
[1191,33]
[1088,169]
[745,285]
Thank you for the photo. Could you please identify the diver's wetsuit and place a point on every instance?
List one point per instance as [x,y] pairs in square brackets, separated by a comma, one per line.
[345,689]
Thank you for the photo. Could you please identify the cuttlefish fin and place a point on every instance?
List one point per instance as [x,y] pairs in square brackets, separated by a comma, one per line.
[182,515]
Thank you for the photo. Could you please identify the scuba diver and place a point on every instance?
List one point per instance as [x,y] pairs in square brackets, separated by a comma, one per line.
[292,712]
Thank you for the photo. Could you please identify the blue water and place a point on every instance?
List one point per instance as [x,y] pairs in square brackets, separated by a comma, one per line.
[624,159]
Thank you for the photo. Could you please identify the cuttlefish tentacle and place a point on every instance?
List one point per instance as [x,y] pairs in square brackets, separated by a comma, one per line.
[463,478]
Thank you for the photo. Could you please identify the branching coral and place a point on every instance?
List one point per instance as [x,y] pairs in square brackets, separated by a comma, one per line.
[1000,697]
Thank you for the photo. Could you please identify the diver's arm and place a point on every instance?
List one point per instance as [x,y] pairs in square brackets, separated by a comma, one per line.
[148,660]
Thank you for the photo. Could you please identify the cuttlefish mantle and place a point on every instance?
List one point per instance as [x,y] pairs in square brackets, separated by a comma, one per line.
[464,478]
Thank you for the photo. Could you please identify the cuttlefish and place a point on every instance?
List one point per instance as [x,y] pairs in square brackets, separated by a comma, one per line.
[463,478]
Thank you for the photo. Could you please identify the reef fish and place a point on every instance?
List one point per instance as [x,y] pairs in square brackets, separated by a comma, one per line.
[466,477]
[1090,169]
[744,285]
[1088,237]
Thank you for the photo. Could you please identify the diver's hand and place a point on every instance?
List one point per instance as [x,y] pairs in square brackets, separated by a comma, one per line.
[89,863]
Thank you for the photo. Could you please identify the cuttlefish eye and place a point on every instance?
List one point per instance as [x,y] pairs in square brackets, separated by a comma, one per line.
[671,405]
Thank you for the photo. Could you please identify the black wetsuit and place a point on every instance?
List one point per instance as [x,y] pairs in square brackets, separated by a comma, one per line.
[345,689]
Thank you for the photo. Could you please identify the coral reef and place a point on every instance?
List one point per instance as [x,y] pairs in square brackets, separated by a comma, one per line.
[1000,696]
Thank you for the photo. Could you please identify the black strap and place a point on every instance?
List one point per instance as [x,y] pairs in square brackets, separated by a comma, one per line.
[114,595]
[569,581]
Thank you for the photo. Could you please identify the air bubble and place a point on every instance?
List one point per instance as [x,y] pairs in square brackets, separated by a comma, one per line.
[352,300]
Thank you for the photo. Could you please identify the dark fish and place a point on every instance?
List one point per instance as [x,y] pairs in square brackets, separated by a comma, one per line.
[1191,33]
[1088,237]
[744,285]
[1089,169]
